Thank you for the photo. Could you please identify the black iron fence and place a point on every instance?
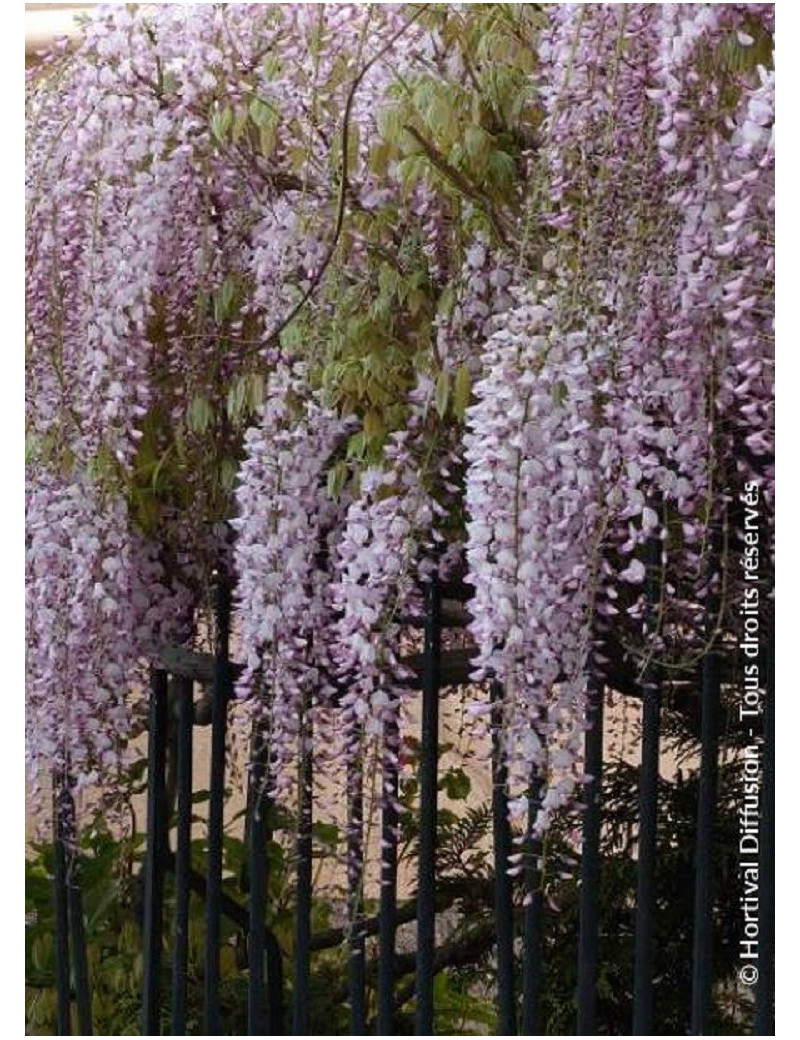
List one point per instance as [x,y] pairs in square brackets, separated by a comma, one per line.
[518,934]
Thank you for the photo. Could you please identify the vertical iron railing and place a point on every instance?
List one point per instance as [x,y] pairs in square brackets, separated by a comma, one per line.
[356,971]
[77,932]
[588,920]
[265,982]
[648,818]
[257,810]
[60,903]
[302,941]
[220,696]
[387,917]
[503,893]
[429,782]
[183,841]
[532,918]
[83,996]
[156,848]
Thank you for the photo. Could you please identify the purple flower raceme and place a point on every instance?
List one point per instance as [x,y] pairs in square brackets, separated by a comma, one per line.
[97,601]
[535,477]
[283,579]
[596,374]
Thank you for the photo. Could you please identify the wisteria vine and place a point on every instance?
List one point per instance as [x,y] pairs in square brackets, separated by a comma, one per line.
[383,297]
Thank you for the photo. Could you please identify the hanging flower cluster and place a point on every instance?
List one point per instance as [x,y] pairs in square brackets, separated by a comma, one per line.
[175,163]
[609,415]
[283,592]
[97,604]
[375,291]
[534,489]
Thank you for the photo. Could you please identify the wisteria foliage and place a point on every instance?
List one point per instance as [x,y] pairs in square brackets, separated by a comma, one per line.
[384,291]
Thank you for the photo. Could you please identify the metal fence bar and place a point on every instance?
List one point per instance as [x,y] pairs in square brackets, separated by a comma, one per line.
[532,920]
[257,810]
[275,1010]
[183,841]
[590,865]
[156,847]
[219,718]
[387,913]
[83,993]
[764,1019]
[63,992]
[503,889]
[429,760]
[302,944]
[77,930]
[265,985]
[356,977]
[704,849]
[648,807]
[387,918]
[648,820]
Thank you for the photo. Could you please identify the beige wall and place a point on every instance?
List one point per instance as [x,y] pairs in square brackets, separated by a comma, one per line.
[45,21]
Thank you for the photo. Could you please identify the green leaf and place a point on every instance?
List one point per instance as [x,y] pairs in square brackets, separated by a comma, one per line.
[223,299]
[266,140]
[356,446]
[221,122]
[337,475]
[475,142]
[275,859]
[447,818]
[442,393]
[379,158]
[237,395]
[239,124]
[42,952]
[503,169]
[447,301]
[235,852]
[199,414]
[158,468]
[373,425]
[32,447]
[255,391]
[326,833]
[228,472]
[461,391]
[388,280]
[102,901]
[261,112]
[456,784]
[390,122]
[271,67]
[440,117]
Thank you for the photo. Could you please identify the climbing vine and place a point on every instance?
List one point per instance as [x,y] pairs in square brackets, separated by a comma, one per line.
[326,297]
